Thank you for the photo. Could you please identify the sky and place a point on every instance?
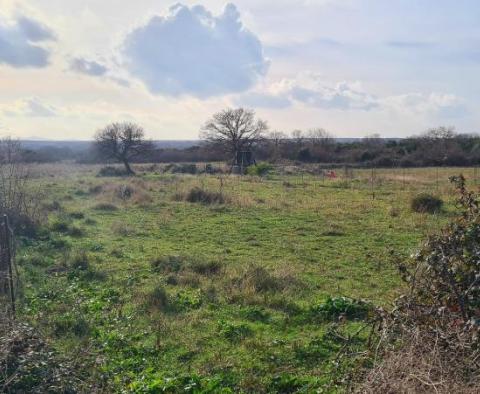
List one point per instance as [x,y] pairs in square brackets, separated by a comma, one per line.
[352,67]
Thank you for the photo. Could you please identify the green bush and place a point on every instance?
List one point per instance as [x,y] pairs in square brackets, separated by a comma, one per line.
[260,169]
[426,203]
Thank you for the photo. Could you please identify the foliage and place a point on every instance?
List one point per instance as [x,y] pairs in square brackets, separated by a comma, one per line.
[260,169]
[335,307]
[438,320]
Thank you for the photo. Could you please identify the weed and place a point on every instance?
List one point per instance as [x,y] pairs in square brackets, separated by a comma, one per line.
[335,307]
[234,332]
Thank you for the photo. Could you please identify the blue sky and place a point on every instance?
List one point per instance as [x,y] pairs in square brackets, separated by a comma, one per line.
[353,67]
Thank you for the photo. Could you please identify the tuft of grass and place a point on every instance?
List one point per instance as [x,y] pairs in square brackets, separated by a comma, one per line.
[157,299]
[335,307]
[202,196]
[105,206]
[426,203]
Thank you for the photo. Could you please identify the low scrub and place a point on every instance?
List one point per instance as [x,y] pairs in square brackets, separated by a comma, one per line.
[202,196]
[111,171]
[260,169]
[105,206]
[183,168]
[430,342]
[426,203]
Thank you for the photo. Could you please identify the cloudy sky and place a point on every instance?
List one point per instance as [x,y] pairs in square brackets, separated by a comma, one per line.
[354,67]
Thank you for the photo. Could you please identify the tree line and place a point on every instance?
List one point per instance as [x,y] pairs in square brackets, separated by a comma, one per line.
[232,131]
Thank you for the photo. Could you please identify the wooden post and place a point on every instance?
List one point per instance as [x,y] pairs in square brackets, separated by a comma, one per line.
[8,254]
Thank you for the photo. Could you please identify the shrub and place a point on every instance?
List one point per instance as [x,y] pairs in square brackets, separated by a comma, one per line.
[80,261]
[75,231]
[198,195]
[260,169]
[206,267]
[183,168]
[124,192]
[76,215]
[426,203]
[95,189]
[262,280]
[105,206]
[157,298]
[72,324]
[167,264]
[437,321]
[60,225]
[111,171]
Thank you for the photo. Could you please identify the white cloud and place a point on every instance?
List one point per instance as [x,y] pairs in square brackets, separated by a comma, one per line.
[190,51]
[30,107]
[88,67]
[436,104]
[19,41]
[309,90]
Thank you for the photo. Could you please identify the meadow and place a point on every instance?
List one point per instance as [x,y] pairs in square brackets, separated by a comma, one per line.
[220,283]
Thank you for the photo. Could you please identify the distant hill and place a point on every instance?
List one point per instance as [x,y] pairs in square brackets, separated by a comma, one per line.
[78,146]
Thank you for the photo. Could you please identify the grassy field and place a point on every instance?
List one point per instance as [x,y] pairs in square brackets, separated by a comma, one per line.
[152,292]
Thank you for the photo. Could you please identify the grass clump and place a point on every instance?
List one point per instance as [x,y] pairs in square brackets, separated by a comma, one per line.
[335,307]
[234,332]
[202,196]
[167,264]
[105,206]
[111,171]
[157,299]
[426,203]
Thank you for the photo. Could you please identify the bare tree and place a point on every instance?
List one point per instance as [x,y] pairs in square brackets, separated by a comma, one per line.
[298,136]
[235,130]
[319,136]
[276,139]
[122,142]
[18,199]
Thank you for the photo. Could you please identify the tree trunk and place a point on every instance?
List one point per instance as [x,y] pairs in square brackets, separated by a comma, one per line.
[128,168]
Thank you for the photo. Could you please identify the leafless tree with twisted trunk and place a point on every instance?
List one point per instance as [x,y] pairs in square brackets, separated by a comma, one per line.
[122,142]
[234,130]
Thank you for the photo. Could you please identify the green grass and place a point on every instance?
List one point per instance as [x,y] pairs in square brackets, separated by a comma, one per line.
[156,293]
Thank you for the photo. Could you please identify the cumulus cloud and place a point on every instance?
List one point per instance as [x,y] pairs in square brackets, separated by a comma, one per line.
[309,90]
[19,42]
[29,107]
[190,51]
[343,96]
[438,104]
[88,67]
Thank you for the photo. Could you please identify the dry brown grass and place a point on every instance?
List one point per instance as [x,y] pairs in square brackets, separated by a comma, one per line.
[421,364]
